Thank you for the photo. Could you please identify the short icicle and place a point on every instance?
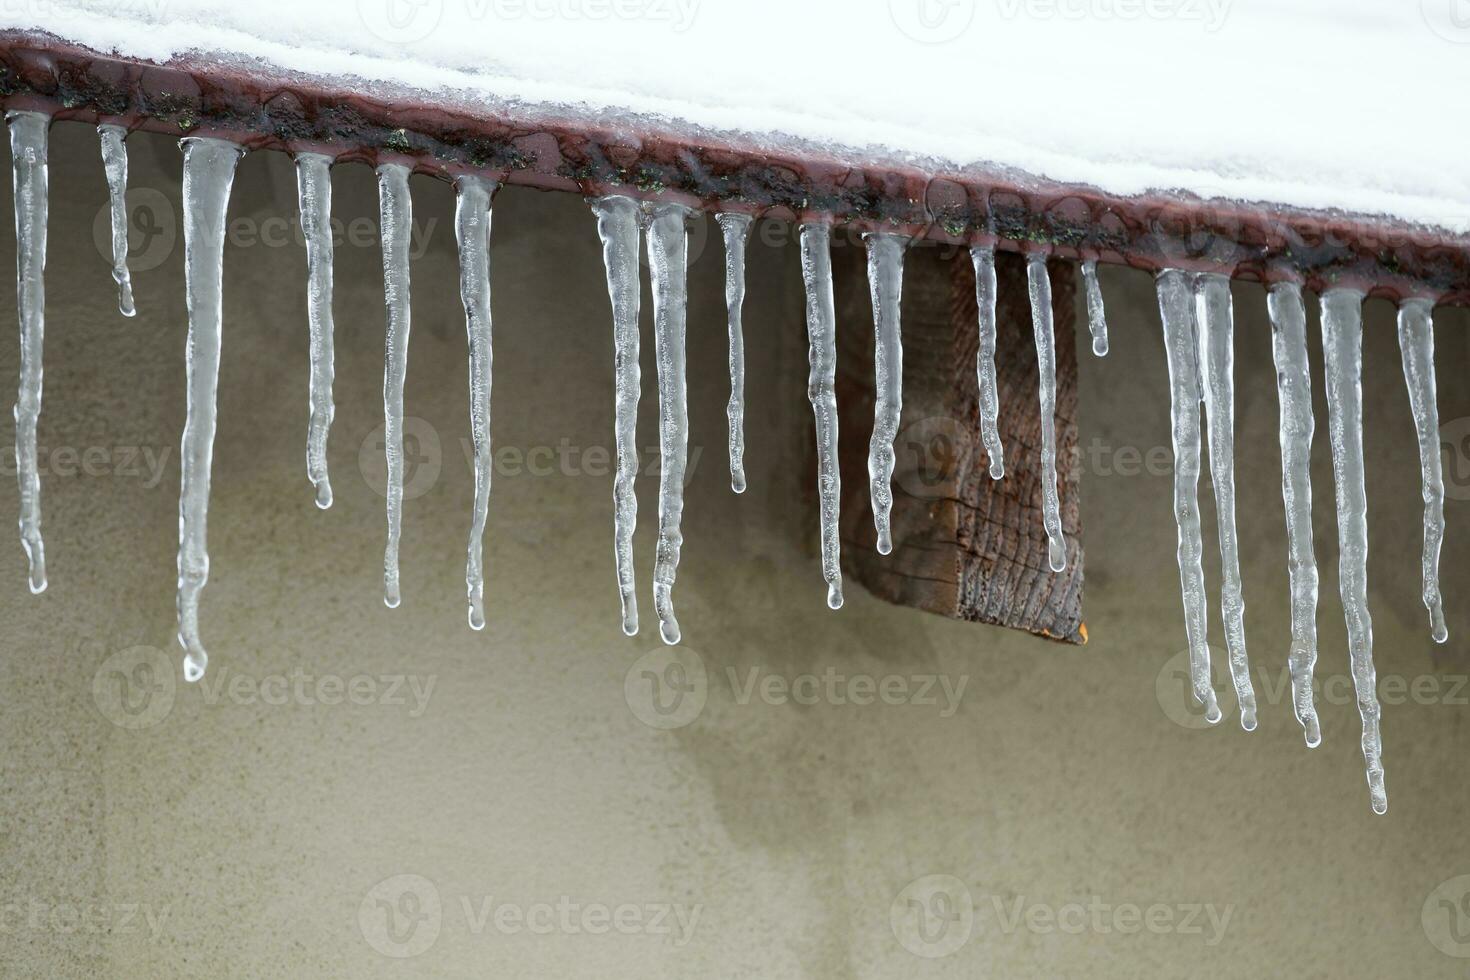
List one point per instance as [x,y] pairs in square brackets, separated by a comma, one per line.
[1215,323]
[209,170]
[618,227]
[1097,320]
[1294,392]
[668,260]
[885,283]
[395,212]
[1416,344]
[821,332]
[314,191]
[28,136]
[115,165]
[983,258]
[1342,353]
[472,232]
[1176,309]
[736,229]
[1039,283]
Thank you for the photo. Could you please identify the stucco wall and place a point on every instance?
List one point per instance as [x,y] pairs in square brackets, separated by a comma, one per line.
[247,828]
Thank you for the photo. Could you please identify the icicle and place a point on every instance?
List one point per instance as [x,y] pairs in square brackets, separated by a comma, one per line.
[314,189]
[617,226]
[1097,321]
[115,165]
[668,257]
[1294,391]
[736,228]
[395,210]
[885,282]
[1342,352]
[209,170]
[1416,343]
[1039,283]
[1176,309]
[472,232]
[28,132]
[1216,330]
[984,260]
[821,332]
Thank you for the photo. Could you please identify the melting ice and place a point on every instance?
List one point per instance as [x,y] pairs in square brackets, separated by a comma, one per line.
[736,229]
[1046,363]
[885,282]
[115,166]
[472,232]
[314,191]
[983,258]
[821,332]
[1416,343]
[209,170]
[395,209]
[28,132]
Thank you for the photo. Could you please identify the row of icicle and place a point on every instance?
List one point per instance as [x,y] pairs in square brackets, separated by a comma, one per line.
[1198,331]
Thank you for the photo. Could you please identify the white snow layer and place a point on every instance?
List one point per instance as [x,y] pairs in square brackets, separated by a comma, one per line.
[1330,104]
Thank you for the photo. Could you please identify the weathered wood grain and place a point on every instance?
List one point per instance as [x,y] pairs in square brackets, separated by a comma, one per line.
[964,546]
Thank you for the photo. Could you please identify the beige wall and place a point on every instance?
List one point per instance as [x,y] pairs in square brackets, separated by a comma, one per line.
[251,838]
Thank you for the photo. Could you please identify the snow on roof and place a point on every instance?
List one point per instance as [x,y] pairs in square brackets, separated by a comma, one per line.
[1347,105]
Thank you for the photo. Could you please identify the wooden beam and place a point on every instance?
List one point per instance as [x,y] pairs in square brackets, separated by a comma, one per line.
[965,546]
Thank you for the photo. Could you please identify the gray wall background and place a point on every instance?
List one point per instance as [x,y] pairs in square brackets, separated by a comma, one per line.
[248,829]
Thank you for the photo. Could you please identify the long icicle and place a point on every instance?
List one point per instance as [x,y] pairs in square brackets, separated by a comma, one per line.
[983,258]
[885,284]
[1294,392]
[209,170]
[618,227]
[314,191]
[736,229]
[472,232]
[1176,310]
[668,260]
[1097,320]
[1416,344]
[395,211]
[821,332]
[1039,283]
[115,165]
[1216,328]
[28,135]
[1342,352]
